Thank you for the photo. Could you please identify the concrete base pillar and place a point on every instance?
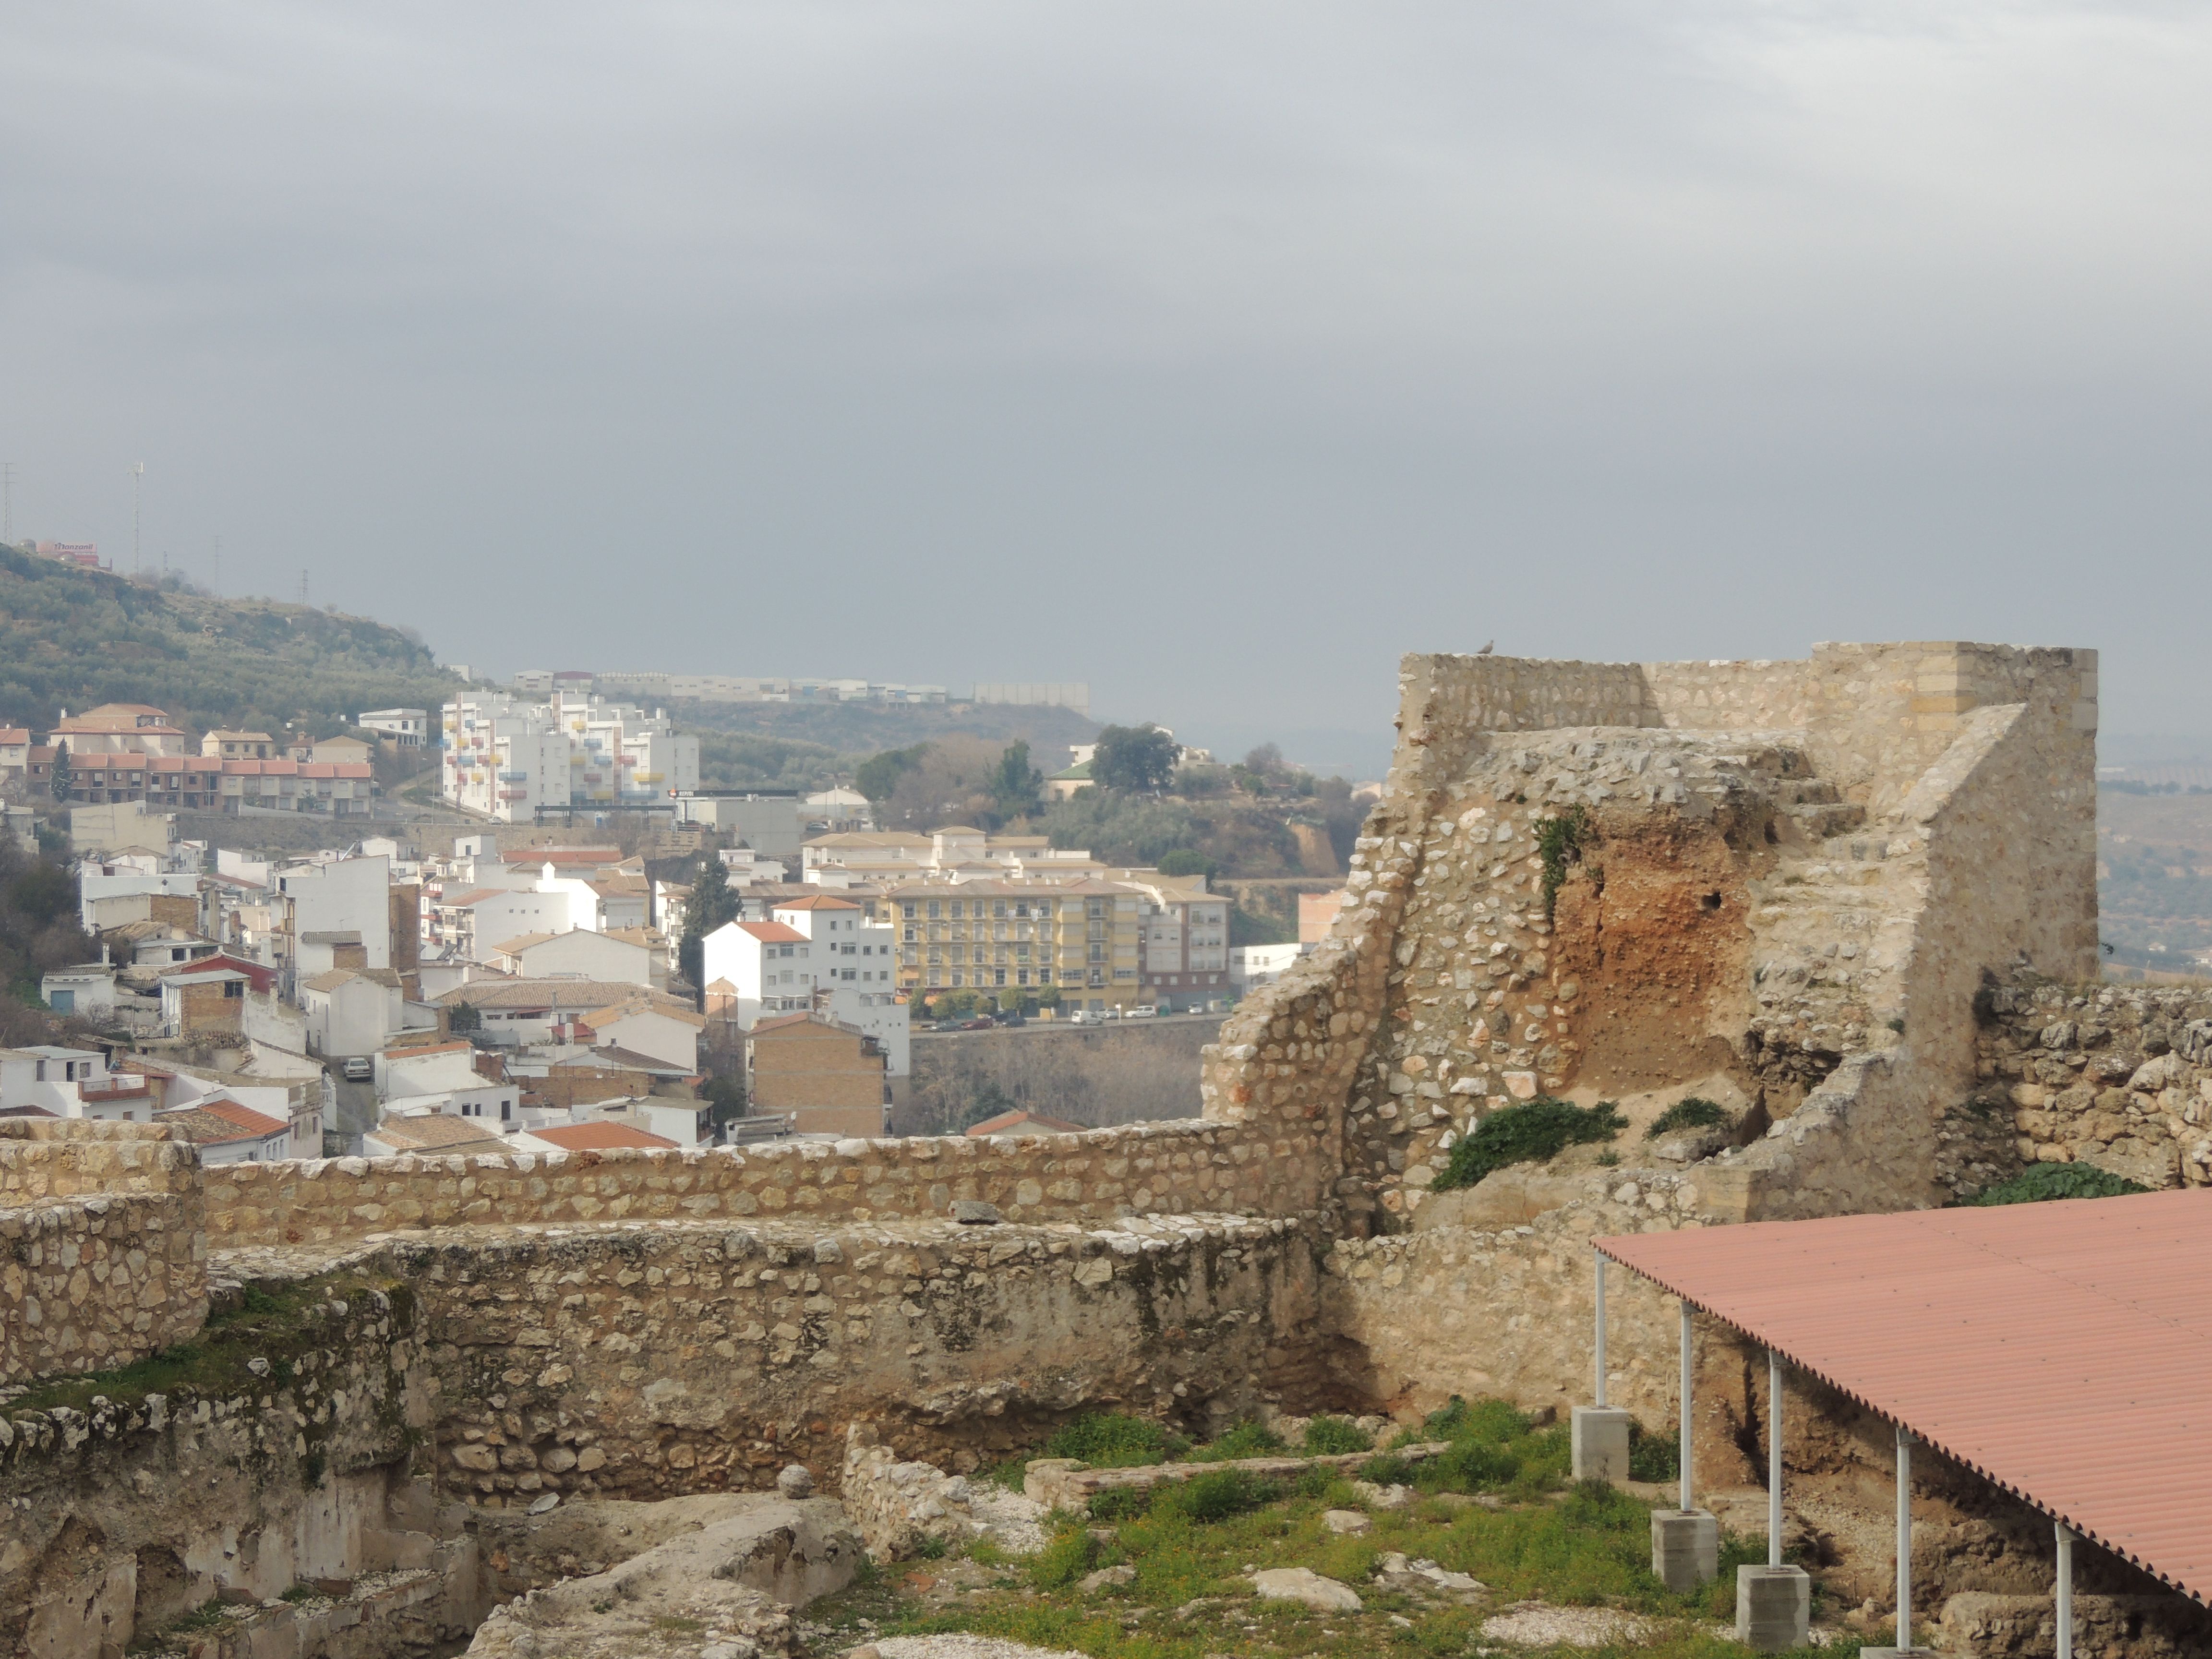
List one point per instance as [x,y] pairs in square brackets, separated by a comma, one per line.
[1686,1549]
[1598,1435]
[1773,1608]
[1899,1653]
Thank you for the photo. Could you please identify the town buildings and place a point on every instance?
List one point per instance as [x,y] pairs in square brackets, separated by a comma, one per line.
[509,759]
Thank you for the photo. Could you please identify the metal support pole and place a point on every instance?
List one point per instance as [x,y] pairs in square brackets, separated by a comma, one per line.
[2065,1591]
[1903,1538]
[1601,1330]
[1773,1459]
[1686,1407]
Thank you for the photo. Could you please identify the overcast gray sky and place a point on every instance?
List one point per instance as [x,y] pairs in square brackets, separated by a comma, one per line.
[1215,354]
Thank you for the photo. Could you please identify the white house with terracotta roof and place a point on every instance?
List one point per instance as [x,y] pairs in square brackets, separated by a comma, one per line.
[592,1138]
[432,1135]
[820,951]
[228,1132]
[656,1028]
[120,729]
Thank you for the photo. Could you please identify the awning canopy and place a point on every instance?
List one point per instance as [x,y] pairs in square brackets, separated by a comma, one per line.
[2062,1351]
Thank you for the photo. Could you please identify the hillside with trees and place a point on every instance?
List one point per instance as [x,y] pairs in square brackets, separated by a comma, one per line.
[1257,821]
[72,638]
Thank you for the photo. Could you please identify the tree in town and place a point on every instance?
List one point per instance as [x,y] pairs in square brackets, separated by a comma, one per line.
[461,1019]
[1135,757]
[63,778]
[878,774]
[1016,788]
[711,905]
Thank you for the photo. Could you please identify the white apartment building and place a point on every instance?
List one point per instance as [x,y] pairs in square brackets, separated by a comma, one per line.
[816,953]
[407,728]
[507,756]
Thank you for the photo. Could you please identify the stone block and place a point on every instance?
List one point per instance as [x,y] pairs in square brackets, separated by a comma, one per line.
[1686,1549]
[1598,1439]
[1773,1608]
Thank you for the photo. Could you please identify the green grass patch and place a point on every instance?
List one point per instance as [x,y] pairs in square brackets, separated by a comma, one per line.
[1114,1440]
[1693,1112]
[1245,1440]
[1530,1132]
[2040,1183]
[1335,1437]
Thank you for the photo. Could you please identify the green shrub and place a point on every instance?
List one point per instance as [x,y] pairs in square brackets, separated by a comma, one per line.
[1245,1440]
[1470,1465]
[1112,1440]
[1495,1420]
[300,1593]
[1540,1128]
[1218,1495]
[1067,1558]
[1118,1504]
[1388,1471]
[1653,1457]
[1600,1503]
[2042,1182]
[1333,1437]
[1693,1112]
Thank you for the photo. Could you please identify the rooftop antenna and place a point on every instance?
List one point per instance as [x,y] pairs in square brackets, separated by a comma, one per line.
[137,472]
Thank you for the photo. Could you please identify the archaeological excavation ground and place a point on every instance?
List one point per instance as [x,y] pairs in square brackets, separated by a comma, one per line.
[1628,947]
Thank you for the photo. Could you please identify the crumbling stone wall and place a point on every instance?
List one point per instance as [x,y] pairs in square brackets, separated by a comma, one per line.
[2116,1076]
[1145,1168]
[116,1520]
[102,1259]
[643,1362]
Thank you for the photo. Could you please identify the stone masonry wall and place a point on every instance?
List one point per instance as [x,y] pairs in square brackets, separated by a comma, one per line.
[116,1520]
[88,1283]
[644,1361]
[102,1259]
[1149,1168]
[2116,1076]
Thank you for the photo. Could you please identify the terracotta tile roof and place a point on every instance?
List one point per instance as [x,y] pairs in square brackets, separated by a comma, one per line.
[772,932]
[331,981]
[816,903]
[602,1137]
[652,1002]
[522,942]
[1024,1123]
[14,734]
[212,1122]
[2051,1348]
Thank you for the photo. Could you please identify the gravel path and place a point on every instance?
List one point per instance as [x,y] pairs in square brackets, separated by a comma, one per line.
[964,1647]
[1577,1627]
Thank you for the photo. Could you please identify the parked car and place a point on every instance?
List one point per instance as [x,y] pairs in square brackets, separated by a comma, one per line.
[359,1069]
[980,1022]
[1013,1019]
[1084,1016]
[1142,1011]
[946,1025]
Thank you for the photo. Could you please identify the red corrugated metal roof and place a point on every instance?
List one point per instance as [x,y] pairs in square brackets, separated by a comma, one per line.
[2062,1351]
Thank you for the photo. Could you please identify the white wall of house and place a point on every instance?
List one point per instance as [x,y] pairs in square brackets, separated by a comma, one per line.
[593,955]
[854,961]
[665,1037]
[352,1019]
[93,888]
[88,992]
[344,895]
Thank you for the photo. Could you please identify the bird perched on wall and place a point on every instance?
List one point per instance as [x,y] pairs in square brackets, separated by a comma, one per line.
[1485,649]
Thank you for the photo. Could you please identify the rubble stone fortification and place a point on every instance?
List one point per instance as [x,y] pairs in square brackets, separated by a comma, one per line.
[1843,898]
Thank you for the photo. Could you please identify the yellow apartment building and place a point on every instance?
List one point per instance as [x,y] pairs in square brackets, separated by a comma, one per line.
[1083,936]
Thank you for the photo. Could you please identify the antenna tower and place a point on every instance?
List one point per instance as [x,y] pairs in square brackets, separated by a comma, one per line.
[8,502]
[303,587]
[217,589]
[137,472]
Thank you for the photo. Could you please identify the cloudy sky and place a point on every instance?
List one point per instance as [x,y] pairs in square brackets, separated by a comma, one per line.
[1215,354]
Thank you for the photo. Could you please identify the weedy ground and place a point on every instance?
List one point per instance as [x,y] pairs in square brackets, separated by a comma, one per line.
[1499,1507]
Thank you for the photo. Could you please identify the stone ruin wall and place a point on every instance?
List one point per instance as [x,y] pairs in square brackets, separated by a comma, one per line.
[1168,1169]
[2118,1077]
[1808,872]
[656,1361]
[102,1258]
[123,1518]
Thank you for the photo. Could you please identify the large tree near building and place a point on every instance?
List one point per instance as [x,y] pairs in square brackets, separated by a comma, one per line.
[1135,757]
[1016,788]
[710,905]
[61,779]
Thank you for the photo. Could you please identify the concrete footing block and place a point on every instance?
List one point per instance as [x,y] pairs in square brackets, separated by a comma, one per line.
[1773,1608]
[1599,1436]
[1899,1653]
[1686,1549]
